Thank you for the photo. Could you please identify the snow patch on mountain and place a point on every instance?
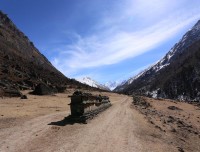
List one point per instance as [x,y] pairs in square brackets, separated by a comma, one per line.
[190,37]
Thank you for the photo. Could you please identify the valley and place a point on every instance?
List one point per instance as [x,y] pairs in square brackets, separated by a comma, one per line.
[157,110]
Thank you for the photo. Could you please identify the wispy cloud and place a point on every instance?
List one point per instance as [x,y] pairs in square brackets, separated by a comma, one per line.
[115,39]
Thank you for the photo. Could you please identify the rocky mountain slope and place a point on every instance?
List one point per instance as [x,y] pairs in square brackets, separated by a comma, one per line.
[22,66]
[176,76]
[93,83]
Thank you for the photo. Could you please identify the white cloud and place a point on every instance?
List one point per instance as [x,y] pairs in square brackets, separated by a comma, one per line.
[116,41]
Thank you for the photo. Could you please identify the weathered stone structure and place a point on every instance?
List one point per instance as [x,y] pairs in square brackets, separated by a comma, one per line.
[85,105]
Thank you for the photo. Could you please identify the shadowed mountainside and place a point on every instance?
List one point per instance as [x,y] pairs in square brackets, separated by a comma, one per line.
[22,66]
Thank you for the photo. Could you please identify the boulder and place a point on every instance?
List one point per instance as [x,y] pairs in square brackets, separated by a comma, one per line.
[174,108]
[24,97]
[43,89]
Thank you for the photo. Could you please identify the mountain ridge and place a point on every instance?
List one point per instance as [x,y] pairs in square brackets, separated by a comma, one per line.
[158,80]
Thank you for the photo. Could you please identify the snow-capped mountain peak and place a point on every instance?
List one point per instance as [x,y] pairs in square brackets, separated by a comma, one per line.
[113,84]
[88,81]
[92,83]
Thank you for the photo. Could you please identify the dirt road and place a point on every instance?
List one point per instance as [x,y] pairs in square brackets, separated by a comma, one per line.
[118,129]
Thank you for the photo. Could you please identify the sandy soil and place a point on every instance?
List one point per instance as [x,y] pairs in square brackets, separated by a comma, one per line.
[34,125]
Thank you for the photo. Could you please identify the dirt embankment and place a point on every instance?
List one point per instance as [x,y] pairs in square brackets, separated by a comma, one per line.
[180,122]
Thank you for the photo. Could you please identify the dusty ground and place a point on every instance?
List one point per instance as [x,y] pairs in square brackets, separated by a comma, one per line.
[26,125]
[179,121]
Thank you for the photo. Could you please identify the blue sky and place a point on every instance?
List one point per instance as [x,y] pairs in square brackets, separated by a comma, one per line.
[104,39]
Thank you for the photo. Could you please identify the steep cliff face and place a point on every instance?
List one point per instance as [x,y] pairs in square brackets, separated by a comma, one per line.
[176,76]
[22,66]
